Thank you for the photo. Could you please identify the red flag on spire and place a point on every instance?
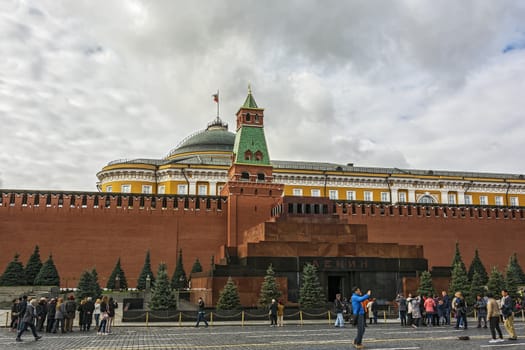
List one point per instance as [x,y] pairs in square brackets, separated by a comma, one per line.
[216,97]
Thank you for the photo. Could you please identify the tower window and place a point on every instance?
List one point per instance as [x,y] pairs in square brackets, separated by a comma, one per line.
[248,117]
[245,176]
[256,118]
[260,177]
[248,155]
[258,156]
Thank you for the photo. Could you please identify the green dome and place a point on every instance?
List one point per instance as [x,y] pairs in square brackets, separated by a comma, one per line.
[215,137]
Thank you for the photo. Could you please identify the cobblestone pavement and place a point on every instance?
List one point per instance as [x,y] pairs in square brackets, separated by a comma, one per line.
[292,337]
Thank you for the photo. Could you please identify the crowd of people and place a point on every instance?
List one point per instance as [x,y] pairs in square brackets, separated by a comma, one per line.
[57,315]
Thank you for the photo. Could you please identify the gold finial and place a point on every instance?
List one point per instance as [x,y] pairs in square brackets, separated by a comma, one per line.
[249,89]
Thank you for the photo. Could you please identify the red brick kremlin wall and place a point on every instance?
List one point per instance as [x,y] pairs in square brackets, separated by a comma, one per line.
[497,233]
[82,238]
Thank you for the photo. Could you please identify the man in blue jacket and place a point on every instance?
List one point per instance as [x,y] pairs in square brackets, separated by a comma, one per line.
[359,312]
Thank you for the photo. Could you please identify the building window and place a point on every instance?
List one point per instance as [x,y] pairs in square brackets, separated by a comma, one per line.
[427,199]
[402,197]
[182,189]
[350,195]
[297,191]
[451,199]
[146,188]
[385,197]
[260,177]
[514,201]
[368,196]
[483,200]
[499,200]
[245,176]
[109,188]
[258,156]
[161,189]
[468,199]
[125,188]
[248,117]
[332,194]
[248,155]
[315,192]
[203,190]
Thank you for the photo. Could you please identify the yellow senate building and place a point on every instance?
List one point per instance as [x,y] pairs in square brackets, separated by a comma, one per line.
[199,165]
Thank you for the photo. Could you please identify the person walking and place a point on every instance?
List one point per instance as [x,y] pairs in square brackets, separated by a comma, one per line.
[359,312]
[273,313]
[338,308]
[507,310]
[28,321]
[201,313]
[280,313]
[493,315]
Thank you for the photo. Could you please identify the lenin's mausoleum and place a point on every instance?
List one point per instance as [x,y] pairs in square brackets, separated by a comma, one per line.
[219,195]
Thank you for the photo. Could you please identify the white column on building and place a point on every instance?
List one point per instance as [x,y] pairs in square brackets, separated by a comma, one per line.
[394,197]
[412,196]
[193,187]
[212,188]
[444,197]
[461,196]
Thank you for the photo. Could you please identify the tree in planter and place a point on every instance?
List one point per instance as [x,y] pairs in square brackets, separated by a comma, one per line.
[425,284]
[48,274]
[457,258]
[512,277]
[477,287]
[459,281]
[86,286]
[117,272]
[269,288]
[33,266]
[311,294]
[163,297]
[146,271]
[179,280]
[496,282]
[14,274]
[477,265]
[229,297]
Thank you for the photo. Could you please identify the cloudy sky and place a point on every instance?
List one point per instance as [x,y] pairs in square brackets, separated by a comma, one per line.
[409,84]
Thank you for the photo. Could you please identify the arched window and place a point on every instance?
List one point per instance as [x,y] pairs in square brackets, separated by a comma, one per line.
[258,156]
[427,199]
[248,155]
[245,176]
[248,117]
[260,177]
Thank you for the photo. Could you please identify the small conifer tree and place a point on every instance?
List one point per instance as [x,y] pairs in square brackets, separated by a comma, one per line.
[34,264]
[14,274]
[163,297]
[477,287]
[86,286]
[146,271]
[269,288]
[48,274]
[425,284]
[179,280]
[517,268]
[96,285]
[459,281]
[457,258]
[229,297]
[197,267]
[512,277]
[310,293]
[117,272]
[496,282]
[477,265]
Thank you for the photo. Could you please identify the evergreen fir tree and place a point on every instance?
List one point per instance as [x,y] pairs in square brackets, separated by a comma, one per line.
[48,274]
[163,297]
[516,267]
[459,281]
[96,285]
[197,267]
[146,271]
[512,277]
[86,286]
[34,264]
[476,287]
[310,294]
[229,297]
[477,265]
[425,284]
[117,271]
[179,280]
[269,288]
[14,274]
[458,259]
[496,282]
